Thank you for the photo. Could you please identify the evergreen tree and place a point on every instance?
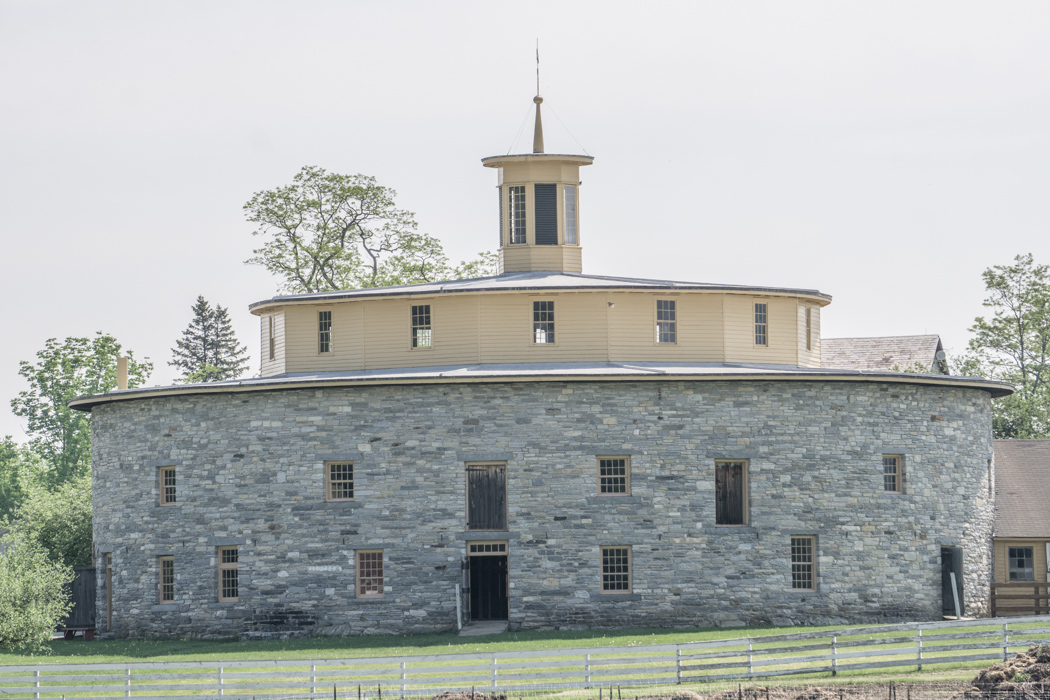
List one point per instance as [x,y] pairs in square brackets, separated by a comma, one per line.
[208,350]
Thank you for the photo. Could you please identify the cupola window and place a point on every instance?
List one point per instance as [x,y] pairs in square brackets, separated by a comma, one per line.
[517,213]
[543,321]
[421,326]
[571,237]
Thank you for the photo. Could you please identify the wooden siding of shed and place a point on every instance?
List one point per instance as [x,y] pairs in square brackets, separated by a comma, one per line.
[497,328]
[808,358]
[781,333]
[267,367]
[1002,562]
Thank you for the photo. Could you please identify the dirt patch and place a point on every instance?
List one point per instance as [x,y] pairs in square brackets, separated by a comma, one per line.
[1027,674]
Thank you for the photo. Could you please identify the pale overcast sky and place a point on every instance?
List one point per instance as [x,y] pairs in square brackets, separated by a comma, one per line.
[883,152]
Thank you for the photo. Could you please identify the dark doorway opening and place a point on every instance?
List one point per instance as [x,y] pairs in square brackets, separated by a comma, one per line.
[488,588]
[951,563]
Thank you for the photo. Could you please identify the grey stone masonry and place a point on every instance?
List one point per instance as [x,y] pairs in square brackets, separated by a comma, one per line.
[250,473]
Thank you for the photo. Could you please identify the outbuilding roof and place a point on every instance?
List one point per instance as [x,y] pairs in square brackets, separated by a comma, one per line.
[527,281]
[1022,488]
[882,353]
[543,371]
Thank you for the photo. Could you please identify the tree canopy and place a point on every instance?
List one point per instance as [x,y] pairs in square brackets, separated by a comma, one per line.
[1013,344]
[57,520]
[208,350]
[327,231]
[63,371]
[33,595]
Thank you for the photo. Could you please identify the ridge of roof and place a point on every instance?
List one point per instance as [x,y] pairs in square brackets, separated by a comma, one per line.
[538,279]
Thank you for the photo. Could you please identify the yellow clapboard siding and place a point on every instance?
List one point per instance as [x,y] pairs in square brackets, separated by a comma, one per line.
[811,357]
[782,317]
[268,367]
[1001,557]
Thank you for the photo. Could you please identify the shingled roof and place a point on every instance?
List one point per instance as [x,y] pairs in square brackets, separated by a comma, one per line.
[1022,488]
[881,354]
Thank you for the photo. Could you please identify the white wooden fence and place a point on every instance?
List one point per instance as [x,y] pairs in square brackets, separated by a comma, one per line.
[828,651]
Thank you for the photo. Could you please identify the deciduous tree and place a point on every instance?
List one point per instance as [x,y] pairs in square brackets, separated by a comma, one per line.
[57,520]
[208,350]
[328,231]
[63,371]
[1013,344]
[19,467]
[33,595]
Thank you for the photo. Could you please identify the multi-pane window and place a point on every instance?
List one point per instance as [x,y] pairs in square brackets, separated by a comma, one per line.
[571,219]
[543,321]
[517,213]
[228,560]
[892,473]
[803,574]
[666,321]
[324,331]
[340,478]
[730,493]
[273,337]
[809,328]
[167,486]
[167,579]
[616,569]
[421,337]
[370,574]
[1021,564]
[614,476]
[761,324]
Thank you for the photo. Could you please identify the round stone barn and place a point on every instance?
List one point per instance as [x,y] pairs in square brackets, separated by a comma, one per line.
[542,447]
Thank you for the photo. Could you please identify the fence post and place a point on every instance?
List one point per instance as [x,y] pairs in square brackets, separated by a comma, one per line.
[493,672]
[587,669]
[313,680]
[36,684]
[402,678]
[834,655]
[750,668]
[918,643]
[220,680]
[127,682]
[1006,643]
[678,666]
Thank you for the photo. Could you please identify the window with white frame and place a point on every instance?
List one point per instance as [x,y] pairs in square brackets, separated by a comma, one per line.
[666,321]
[324,331]
[761,324]
[543,322]
[273,337]
[571,219]
[421,332]
[517,213]
[339,478]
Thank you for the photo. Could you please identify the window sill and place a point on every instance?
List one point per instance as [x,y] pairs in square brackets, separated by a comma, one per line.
[614,597]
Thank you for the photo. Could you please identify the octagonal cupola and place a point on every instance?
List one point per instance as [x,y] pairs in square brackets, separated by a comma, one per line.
[539,207]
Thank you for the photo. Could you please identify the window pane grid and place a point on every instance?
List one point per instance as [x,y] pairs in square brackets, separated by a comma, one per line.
[891,474]
[1022,566]
[543,321]
[612,475]
[369,573]
[341,481]
[324,331]
[761,324]
[616,569]
[517,213]
[167,579]
[273,338]
[570,214]
[229,587]
[802,563]
[167,480]
[421,326]
[488,548]
[666,321]
[809,328]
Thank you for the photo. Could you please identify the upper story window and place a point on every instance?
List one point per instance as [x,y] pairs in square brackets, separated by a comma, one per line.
[614,476]
[543,321]
[761,324]
[571,218]
[339,481]
[324,331]
[731,493]
[666,321]
[486,496]
[272,336]
[167,486]
[809,328]
[517,213]
[893,473]
[421,337]
[1021,564]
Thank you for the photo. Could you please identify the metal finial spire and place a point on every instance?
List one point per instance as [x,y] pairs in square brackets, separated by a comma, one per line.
[537,135]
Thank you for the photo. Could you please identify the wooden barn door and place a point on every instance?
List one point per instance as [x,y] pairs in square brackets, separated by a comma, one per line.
[487,497]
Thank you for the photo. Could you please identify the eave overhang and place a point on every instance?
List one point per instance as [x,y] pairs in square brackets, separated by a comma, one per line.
[545,372]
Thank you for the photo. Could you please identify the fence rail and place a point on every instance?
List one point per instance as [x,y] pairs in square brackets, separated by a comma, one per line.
[1027,598]
[828,651]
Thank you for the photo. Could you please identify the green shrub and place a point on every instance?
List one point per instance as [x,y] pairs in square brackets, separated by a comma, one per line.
[33,595]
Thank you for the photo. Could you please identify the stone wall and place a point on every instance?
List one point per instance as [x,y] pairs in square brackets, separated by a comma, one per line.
[250,472]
